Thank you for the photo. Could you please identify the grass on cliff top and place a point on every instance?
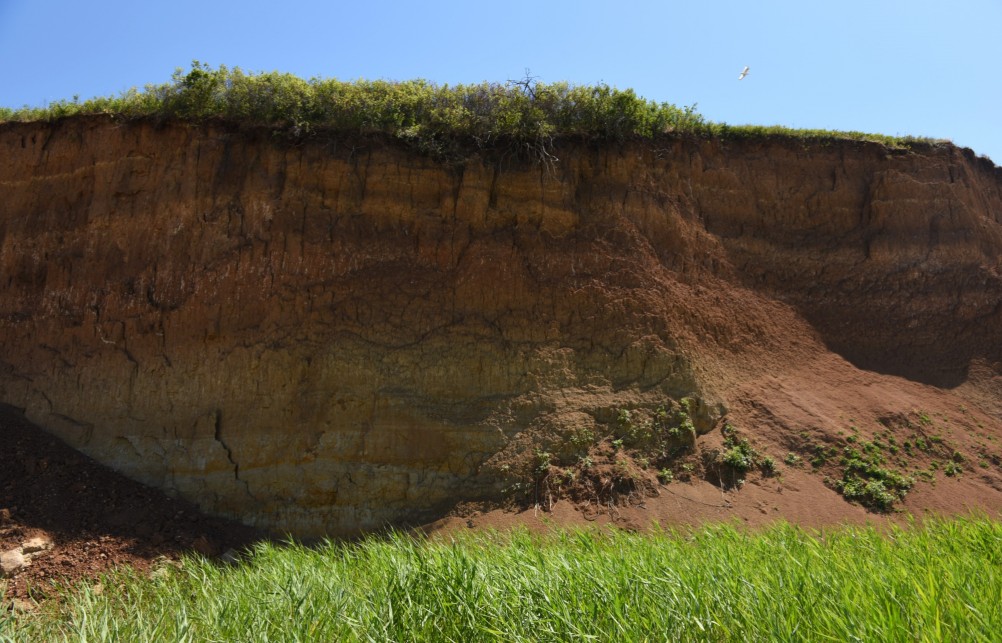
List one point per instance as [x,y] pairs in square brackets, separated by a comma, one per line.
[941,580]
[521,115]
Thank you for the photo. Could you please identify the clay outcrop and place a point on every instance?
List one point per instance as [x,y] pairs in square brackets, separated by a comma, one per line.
[333,335]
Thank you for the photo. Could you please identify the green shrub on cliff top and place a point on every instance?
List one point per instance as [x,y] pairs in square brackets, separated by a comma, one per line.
[510,115]
[519,109]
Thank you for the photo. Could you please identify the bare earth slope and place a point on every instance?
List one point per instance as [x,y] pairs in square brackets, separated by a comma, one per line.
[331,336]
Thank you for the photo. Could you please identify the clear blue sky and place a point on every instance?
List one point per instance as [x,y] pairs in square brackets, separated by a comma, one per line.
[925,68]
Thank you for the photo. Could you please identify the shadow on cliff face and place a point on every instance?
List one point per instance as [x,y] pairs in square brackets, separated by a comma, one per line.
[944,369]
[922,346]
[95,518]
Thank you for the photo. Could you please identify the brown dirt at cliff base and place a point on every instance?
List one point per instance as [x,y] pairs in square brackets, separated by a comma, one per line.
[96,518]
[100,520]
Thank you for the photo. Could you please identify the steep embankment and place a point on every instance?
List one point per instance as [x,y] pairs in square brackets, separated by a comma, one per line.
[330,336]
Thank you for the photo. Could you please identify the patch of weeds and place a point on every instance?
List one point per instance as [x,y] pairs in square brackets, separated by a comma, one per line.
[582,439]
[872,493]
[516,488]
[542,462]
[661,434]
[740,456]
[821,455]
[873,448]
[737,458]
[867,481]
[626,471]
[952,469]
[792,459]
[665,476]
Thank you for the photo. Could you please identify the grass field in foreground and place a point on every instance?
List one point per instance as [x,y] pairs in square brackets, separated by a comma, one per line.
[939,580]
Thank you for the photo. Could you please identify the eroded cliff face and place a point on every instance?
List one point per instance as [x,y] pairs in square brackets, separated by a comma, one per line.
[329,337]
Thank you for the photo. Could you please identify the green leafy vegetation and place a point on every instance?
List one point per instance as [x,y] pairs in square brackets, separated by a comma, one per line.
[666,433]
[730,465]
[878,472]
[516,117]
[936,581]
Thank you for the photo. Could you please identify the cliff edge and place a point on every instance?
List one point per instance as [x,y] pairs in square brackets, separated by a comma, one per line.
[328,336]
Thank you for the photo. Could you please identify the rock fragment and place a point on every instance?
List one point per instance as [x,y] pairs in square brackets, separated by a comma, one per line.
[11,562]
[36,544]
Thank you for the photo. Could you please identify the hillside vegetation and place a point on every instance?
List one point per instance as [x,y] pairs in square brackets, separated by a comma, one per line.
[523,115]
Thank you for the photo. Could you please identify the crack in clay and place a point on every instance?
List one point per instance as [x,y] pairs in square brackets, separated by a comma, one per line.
[218,436]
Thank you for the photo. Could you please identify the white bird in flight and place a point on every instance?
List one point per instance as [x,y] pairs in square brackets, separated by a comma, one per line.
[744,72]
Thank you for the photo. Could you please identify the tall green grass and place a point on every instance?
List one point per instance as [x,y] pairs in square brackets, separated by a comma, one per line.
[941,580]
[441,120]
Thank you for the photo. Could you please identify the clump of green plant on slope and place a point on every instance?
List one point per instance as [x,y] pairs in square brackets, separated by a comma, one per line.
[626,454]
[880,471]
[865,478]
[737,459]
[666,433]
